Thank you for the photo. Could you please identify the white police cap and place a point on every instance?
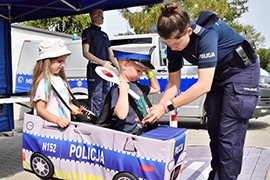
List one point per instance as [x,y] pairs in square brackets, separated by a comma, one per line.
[139,53]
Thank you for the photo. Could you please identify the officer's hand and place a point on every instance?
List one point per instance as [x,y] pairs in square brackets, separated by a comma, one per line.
[108,65]
[154,114]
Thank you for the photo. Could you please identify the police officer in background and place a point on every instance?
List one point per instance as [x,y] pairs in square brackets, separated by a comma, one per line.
[96,48]
[228,72]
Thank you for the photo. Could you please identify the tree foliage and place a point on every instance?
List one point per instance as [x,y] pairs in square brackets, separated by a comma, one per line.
[264,55]
[142,20]
[249,31]
[67,24]
[229,11]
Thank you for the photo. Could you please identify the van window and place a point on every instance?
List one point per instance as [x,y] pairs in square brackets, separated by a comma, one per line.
[186,63]
[162,52]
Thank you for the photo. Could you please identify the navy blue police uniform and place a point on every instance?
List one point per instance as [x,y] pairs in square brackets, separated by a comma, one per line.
[97,87]
[234,93]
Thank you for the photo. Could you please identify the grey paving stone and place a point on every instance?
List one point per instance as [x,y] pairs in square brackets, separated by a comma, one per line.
[256,161]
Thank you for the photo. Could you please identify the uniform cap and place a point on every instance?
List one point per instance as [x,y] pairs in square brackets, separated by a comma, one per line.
[139,53]
[52,48]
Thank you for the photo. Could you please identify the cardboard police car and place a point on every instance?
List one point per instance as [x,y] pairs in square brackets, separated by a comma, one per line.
[89,152]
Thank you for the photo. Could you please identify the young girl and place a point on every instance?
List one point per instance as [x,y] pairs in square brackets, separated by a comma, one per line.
[134,59]
[48,71]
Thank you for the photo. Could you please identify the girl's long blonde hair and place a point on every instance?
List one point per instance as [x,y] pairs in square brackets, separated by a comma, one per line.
[42,71]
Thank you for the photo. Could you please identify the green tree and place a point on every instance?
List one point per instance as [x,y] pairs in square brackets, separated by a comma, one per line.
[264,55]
[141,21]
[249,31]
[67,24]
[228,10]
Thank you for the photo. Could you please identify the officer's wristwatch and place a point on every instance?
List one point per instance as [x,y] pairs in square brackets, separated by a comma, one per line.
[170,105]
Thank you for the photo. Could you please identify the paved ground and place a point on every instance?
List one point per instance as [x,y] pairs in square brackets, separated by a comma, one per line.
[256,161]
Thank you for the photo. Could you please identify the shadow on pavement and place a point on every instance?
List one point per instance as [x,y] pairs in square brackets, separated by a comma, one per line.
[256,125]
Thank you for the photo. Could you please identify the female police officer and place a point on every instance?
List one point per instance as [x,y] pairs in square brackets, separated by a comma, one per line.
[228,71]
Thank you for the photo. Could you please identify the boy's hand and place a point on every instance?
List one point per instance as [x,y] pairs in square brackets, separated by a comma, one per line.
[148,70]
[123,85]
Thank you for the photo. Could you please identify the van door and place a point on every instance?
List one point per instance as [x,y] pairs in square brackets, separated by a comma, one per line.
[26,64]
[189,76]
[75,69]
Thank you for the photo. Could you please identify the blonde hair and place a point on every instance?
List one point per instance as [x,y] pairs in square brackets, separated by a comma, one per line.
[42,71]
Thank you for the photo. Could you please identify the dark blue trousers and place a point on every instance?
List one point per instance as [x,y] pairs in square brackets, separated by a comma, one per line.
[97,89]
[229,106]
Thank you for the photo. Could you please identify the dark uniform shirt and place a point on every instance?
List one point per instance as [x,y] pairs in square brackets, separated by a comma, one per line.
[214,47]
[129,124]
[98,41]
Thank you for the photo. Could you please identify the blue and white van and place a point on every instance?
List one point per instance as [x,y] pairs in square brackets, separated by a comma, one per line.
[75,69]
